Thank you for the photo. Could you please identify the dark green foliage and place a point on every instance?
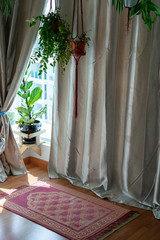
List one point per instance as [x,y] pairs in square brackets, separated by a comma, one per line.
[54,41]
[83,38]
[146,8]
[119,4]
[6,7]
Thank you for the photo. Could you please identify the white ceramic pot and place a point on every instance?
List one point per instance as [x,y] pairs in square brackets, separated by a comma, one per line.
[130,3]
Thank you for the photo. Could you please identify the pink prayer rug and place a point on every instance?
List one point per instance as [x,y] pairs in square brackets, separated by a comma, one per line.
[66,211]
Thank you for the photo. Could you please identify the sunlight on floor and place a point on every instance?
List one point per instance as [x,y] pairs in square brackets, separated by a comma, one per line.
[1,209]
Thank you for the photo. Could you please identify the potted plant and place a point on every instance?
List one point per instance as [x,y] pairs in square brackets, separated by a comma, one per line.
[28,122]
[54,36]
[146,8]
[130,3]
[78,44]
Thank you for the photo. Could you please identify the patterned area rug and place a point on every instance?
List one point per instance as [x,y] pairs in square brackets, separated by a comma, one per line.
[66,211]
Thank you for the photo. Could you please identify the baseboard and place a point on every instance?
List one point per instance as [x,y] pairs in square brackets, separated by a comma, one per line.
[36,161]
[26,160]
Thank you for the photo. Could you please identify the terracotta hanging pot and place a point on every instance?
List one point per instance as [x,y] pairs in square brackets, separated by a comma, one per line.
[130,3]
[78,48]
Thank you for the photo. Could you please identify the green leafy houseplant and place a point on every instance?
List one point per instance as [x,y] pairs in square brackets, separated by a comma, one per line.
[6,7]
[146,8]
[26,110]
[78,44]
[54,39]
[82,38]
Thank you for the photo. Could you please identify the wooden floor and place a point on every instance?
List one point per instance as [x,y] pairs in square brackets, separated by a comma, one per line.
[14,227]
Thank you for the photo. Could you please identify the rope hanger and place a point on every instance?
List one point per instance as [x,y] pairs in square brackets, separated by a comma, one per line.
[77,16]
[76,55]
[77,7]
[51,9]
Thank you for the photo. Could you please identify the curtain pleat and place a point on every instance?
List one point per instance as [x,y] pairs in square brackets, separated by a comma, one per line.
[112,147]
[16,42]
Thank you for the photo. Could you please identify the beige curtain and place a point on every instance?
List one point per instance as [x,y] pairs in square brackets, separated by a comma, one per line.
[113,145]
[16,42]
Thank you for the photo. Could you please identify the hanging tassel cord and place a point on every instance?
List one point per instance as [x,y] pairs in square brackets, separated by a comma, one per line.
[128,20]
[76,86]
[76,89]
[77,57]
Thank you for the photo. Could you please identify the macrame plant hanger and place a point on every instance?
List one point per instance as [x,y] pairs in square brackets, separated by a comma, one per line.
[51,9]
[77,47]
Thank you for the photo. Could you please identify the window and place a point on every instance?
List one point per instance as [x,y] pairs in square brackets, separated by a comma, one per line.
[46,83]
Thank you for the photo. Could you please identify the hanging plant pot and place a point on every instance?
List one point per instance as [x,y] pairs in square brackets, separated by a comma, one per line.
[54,36]
[55,28]
[78,48]
[77,44]
[130,3]
[28,129]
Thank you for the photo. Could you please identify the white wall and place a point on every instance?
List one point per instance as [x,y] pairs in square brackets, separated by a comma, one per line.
[45,150]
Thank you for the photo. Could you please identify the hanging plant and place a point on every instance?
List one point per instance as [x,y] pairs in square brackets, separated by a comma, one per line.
[54,41]
[78,42]
[130,3]
[6,7]
[146,8]
[78,45]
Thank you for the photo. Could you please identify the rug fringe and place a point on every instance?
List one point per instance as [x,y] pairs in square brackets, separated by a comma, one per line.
[114,226]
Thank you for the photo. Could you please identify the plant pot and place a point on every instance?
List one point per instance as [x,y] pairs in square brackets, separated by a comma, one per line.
[55,27]
[28,129]
[130,3]
[78,48]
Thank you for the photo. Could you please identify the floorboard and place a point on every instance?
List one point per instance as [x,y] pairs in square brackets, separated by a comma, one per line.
[14,227]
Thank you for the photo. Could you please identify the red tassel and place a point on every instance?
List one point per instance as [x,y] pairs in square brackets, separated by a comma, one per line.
[76,89]
[128,20]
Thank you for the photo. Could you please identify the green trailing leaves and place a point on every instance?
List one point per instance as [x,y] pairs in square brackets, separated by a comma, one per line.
[119,4]
[6,7]
[146,8]
[54,39]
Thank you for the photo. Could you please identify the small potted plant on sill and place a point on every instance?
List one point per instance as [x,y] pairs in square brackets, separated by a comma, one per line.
[54,36]
[78,44]
[28,122]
